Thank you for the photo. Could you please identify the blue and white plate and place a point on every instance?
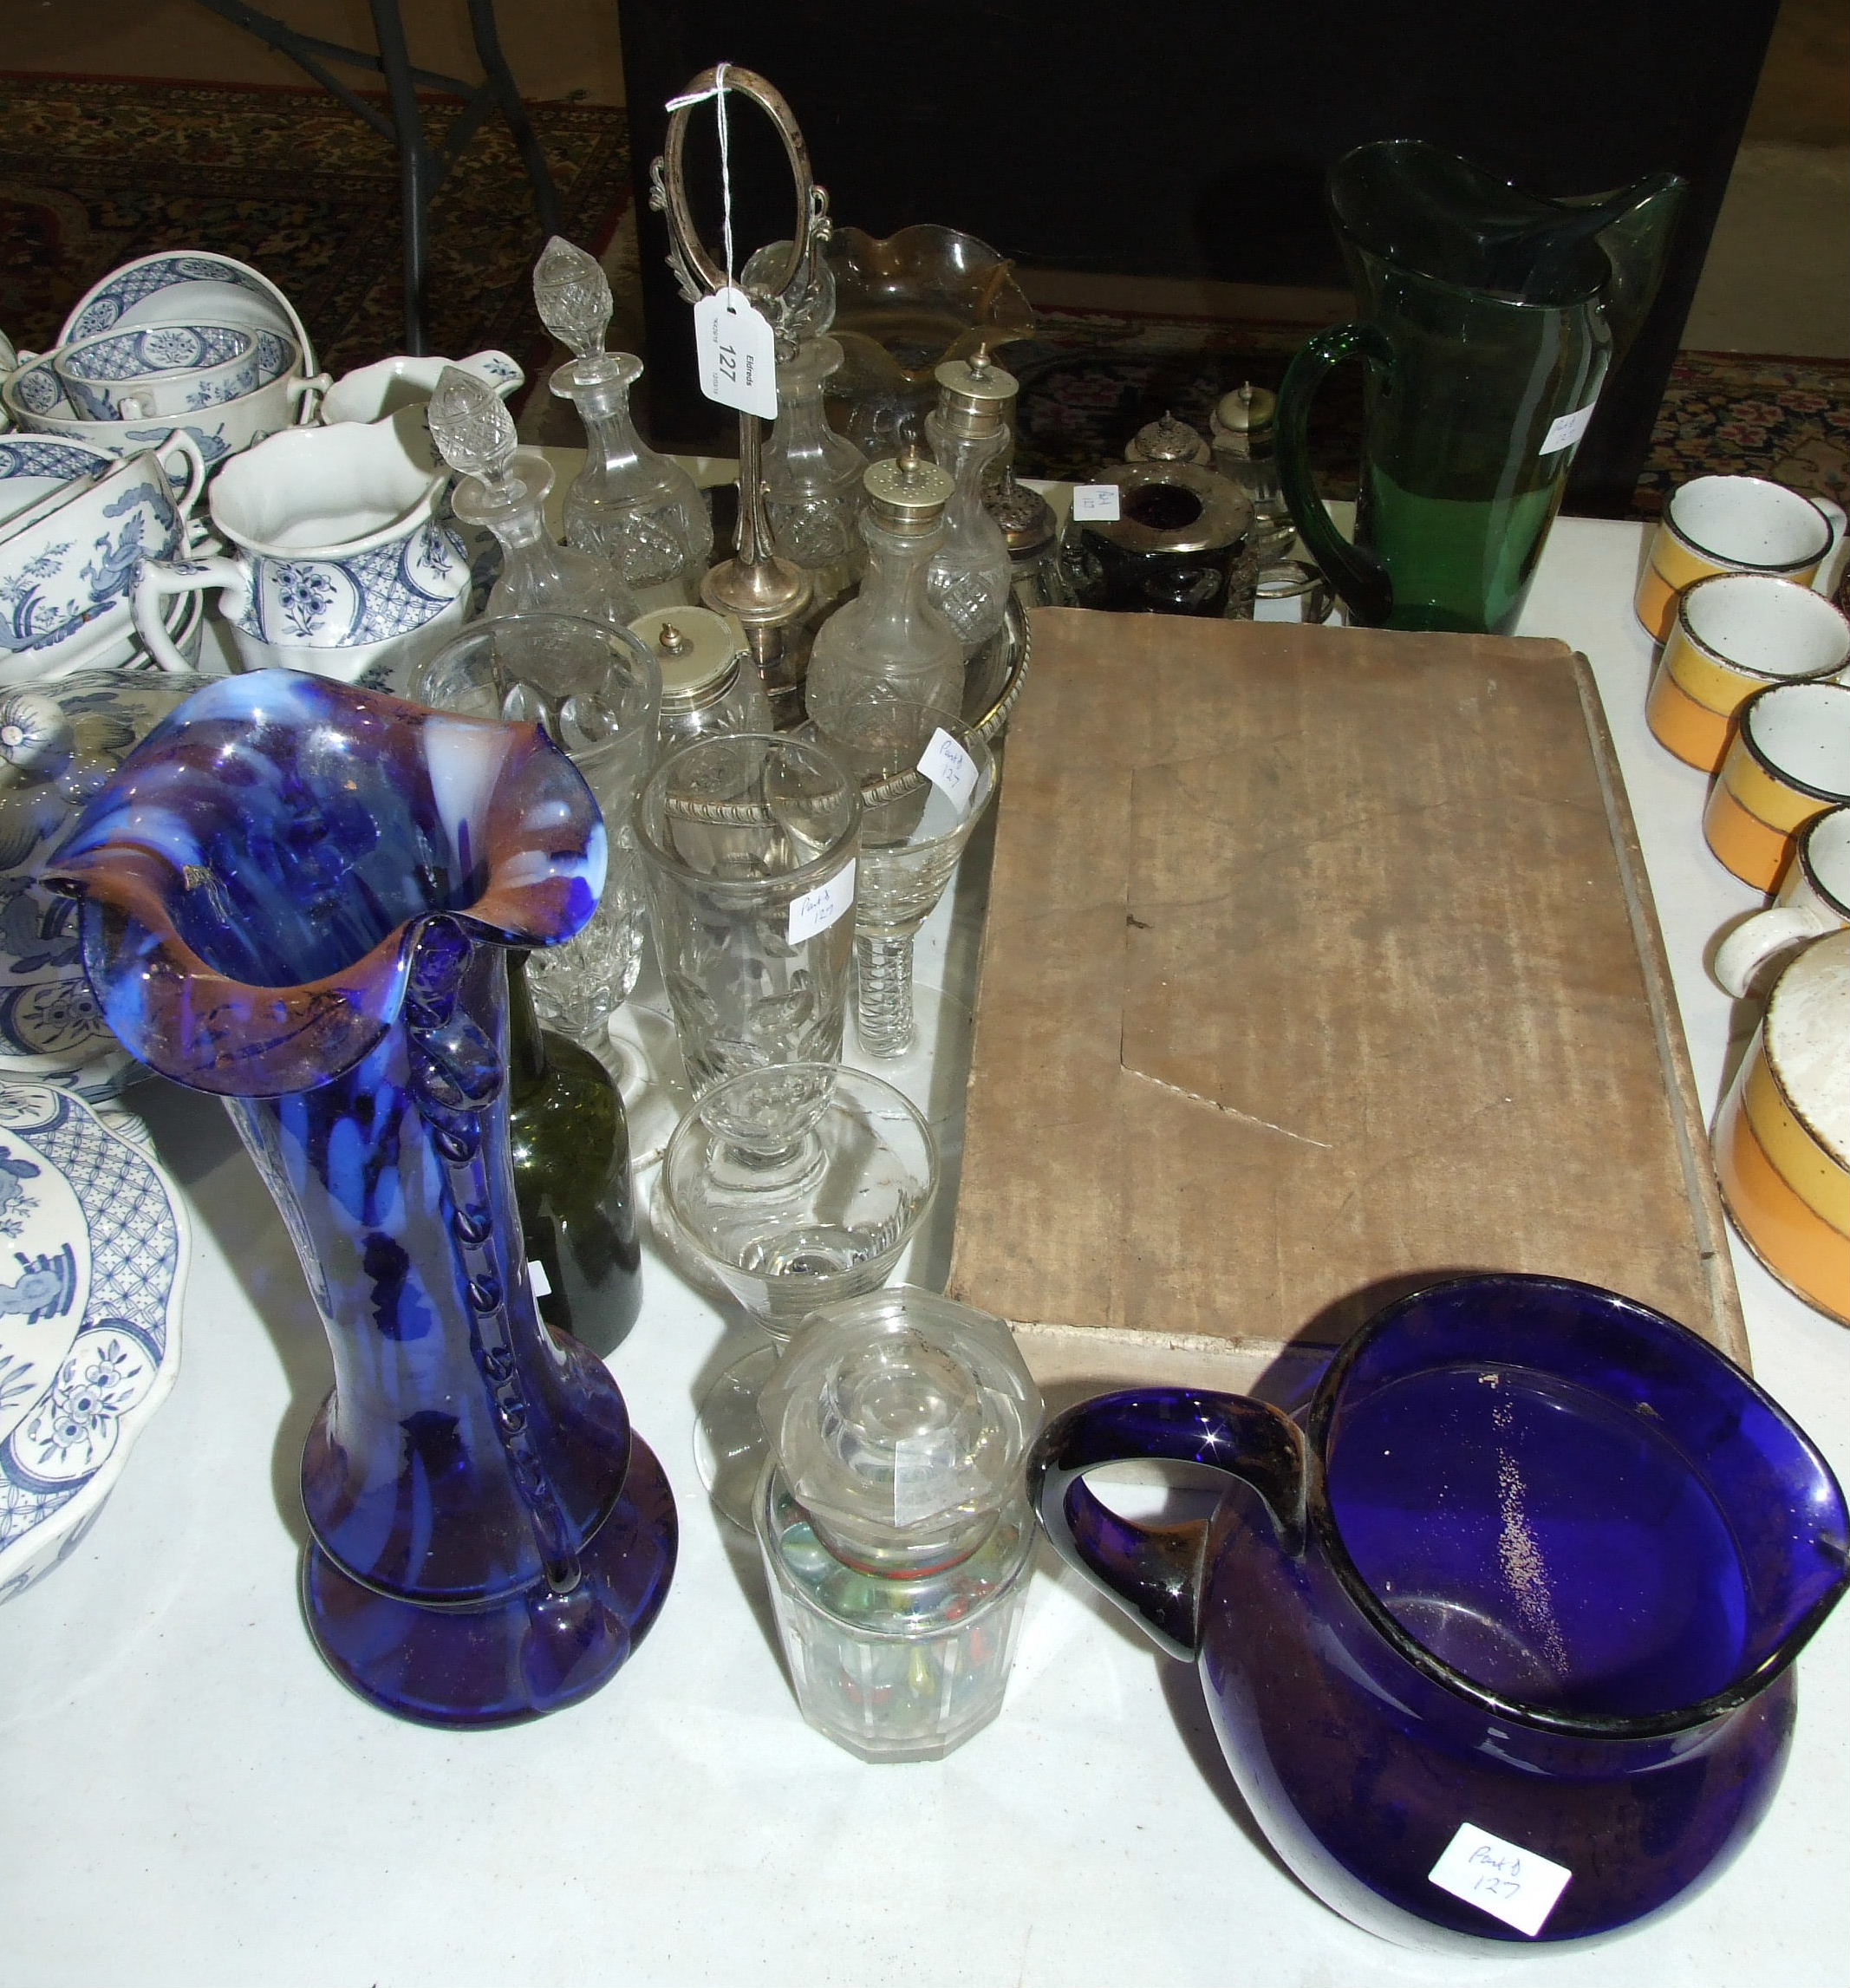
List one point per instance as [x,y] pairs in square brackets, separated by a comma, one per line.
[94,1247]
[186,286]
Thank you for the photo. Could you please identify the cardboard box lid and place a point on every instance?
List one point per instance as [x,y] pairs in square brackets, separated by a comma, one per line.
[1320,964]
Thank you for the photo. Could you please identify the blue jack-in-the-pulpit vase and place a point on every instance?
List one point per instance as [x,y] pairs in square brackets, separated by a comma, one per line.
[297,895]
[1498,1643]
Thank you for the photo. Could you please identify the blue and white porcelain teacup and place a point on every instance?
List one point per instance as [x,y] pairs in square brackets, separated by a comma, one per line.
[337,561]
[73,566]
[33,397]
[173,369]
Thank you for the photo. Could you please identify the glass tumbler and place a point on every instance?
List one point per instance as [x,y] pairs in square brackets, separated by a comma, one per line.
[748,844]
[597,691]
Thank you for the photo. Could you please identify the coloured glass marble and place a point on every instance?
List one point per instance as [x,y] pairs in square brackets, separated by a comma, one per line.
[297,895]
[1538,1563]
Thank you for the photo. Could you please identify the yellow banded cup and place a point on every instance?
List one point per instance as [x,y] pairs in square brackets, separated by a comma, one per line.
[1733,634]
[1782,1135]
[1789,763]
[1729,524]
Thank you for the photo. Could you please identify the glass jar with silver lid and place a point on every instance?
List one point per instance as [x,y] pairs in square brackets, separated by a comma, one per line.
[708,681]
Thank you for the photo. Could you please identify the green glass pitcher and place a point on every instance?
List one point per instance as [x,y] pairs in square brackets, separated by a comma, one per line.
[1488,319]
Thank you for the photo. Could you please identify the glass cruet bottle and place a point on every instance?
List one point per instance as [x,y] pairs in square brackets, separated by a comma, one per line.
[570,1142]
[634,506]
[894,1521]
[890,637]
[504,490]
[812,476]
[970,572]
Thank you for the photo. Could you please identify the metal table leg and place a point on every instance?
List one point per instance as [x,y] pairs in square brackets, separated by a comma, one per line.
[422,169]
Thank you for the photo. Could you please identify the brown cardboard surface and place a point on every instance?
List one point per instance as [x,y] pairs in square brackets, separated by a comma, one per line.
[1318,963]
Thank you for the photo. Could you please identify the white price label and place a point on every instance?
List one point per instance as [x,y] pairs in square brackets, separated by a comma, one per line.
[1097,501]
[1511,1884]
[950,769]
[736,354]
[1565,430]
[817,910]
[924,1482]
[541,1283]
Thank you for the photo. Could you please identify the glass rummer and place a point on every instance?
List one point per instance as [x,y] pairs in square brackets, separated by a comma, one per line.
[794,1185]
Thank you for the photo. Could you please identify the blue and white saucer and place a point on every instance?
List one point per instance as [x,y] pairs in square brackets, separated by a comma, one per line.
[94,1249]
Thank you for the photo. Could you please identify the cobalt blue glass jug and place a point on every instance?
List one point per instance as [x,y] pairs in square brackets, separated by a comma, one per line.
[298,895]
[1498,1644]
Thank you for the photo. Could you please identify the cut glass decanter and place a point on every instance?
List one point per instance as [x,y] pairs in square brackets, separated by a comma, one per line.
[812,476]
[504,489]
[628,503]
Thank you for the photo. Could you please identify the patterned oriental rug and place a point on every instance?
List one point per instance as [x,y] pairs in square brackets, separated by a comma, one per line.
[94,173]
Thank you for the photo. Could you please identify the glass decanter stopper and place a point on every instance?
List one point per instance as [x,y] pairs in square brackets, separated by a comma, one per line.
[570,1142]
[894,1523]
[812,476]
[891,636]
[504,490]
[970,572]
[630,504]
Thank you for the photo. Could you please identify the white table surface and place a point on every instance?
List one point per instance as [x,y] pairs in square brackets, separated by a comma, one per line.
[191,1798]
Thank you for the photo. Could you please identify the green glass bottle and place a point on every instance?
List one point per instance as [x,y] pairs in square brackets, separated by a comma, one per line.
[570,1146]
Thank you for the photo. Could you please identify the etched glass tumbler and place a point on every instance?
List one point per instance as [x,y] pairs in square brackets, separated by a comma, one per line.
[748,844]
[597,692]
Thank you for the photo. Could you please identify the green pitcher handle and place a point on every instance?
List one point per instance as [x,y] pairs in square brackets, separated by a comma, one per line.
[1357,574]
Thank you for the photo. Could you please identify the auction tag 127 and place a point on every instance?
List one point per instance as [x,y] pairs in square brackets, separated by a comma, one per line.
[1510,1883]
[817,910]
[736,354]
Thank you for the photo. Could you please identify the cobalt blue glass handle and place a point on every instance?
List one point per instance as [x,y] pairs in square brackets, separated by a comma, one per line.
[1154,1572]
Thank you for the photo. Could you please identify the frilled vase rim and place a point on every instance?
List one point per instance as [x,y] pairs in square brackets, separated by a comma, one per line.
[534,823]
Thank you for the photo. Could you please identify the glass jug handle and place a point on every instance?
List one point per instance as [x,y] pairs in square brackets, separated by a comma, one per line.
[1154,1572]
[1358,575]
